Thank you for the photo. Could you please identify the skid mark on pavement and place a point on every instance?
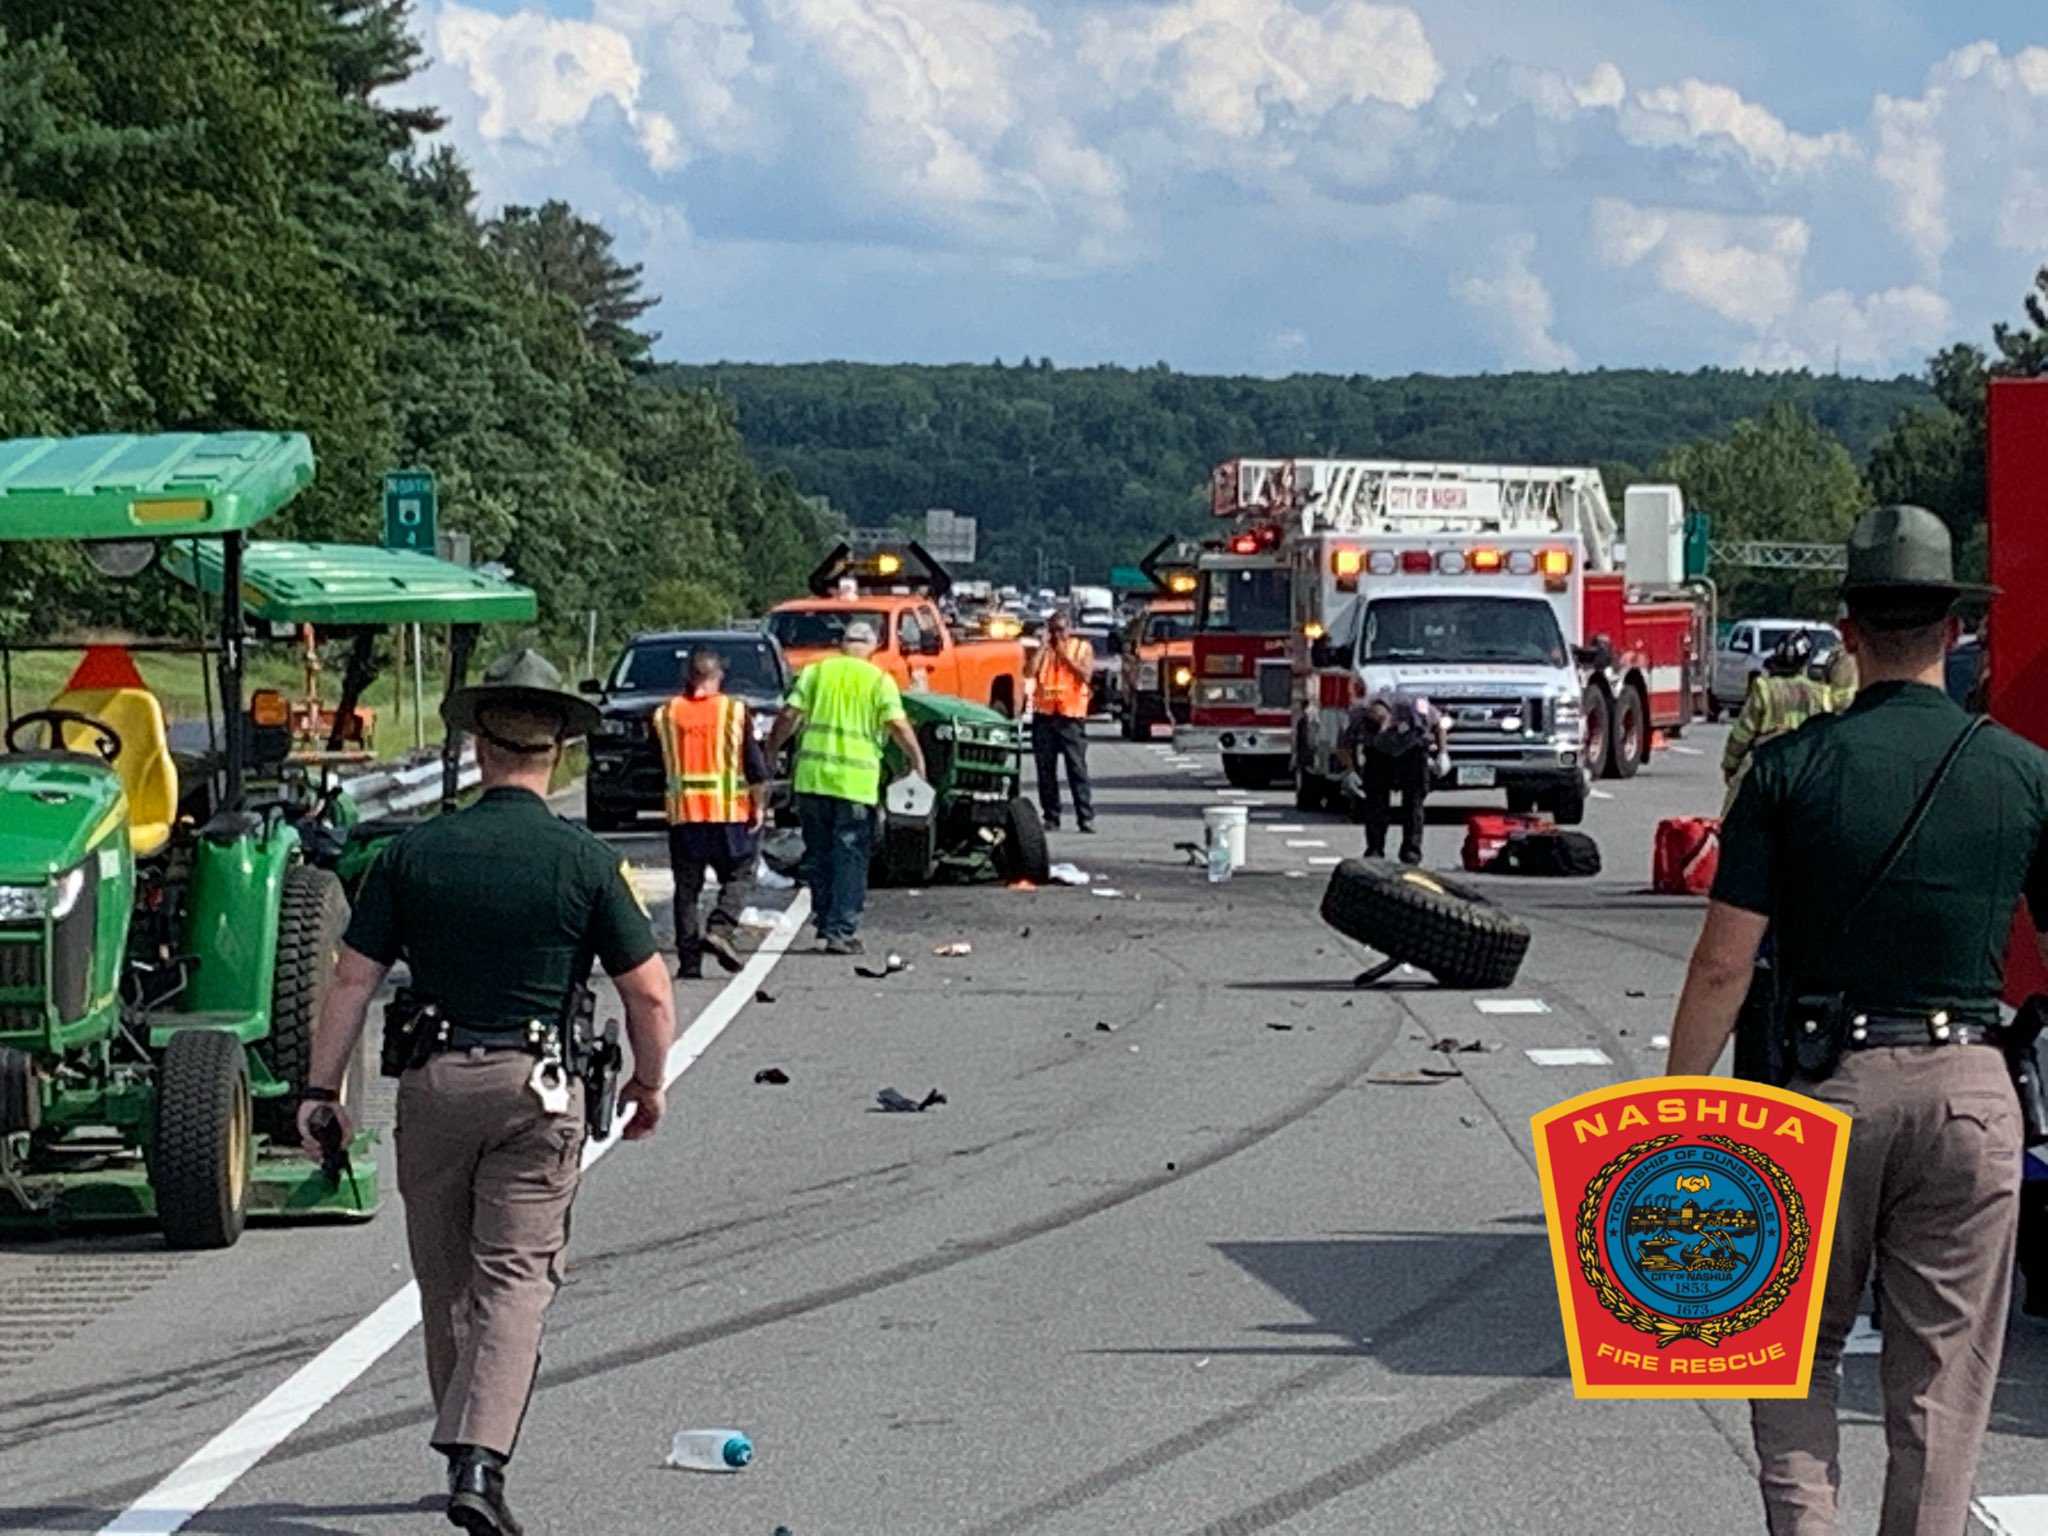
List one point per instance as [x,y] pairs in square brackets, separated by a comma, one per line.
[1203,1436]
[60,1294]
[228,1457]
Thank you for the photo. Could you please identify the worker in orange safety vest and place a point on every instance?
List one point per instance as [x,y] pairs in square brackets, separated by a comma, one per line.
[1057,692]
[715,808]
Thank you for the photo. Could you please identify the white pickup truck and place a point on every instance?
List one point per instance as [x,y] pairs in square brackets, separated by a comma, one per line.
[1742,654]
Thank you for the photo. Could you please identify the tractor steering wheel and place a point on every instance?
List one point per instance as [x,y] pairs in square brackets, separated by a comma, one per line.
[107,740]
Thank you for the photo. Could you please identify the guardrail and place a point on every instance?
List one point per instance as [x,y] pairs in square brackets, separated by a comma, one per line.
[394,791]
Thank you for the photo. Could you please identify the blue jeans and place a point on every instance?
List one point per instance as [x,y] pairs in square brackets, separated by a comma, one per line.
[839,835]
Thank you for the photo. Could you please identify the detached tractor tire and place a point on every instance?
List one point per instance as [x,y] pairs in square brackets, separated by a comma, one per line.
[1025,855]
[1631,734]
[310,920]
[204,1155]
[1426,920]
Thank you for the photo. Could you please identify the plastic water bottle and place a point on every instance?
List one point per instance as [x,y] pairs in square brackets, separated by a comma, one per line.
[1219,858]
[710,1450]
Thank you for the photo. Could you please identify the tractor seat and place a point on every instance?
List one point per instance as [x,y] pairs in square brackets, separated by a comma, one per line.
[148,773]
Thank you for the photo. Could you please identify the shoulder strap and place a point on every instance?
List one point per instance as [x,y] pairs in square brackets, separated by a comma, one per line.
[1911,829]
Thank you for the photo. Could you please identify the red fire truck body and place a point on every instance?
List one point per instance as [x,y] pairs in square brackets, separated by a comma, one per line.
[1242,699]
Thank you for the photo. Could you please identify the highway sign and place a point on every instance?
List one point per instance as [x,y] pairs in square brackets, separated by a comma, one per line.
[411,510]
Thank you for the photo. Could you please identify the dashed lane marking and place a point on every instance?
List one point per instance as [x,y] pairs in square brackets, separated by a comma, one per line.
[224,1460]
[1510,1005]
[1567,1056]
[1287,826]
[1685,751]
[1306,842]
[2014,1514]
[1325,859]
[1601,794]
[1297,874]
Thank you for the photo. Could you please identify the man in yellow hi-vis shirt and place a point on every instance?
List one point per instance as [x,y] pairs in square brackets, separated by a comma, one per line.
[840,711]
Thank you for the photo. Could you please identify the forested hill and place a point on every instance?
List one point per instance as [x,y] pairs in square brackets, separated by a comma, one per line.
[1088,463]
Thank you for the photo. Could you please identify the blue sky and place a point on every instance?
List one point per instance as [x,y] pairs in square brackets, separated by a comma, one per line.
[1270,186]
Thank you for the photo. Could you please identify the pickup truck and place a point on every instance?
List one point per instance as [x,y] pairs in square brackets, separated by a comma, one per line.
[1158,669]
[1742,653]
[916,646]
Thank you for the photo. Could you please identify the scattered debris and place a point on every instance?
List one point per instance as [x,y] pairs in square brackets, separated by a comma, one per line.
[1405,1080]
[773,1075]
[773,880]
[1660,1042]
[1468,1121]
[1274,1024]
[1635,992]
[896,1104]
[1173,1167]
[1069,874]
[763,995]
[1202,1363]
[1449,1046]
[1023,885]
[1194,852]
[1104,890]
[1442,1072]
[1104,1027]
[953,951]
[889,968]
[1023,933]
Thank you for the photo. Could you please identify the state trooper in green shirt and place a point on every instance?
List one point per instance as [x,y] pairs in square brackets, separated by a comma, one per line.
[498,911]
[1891,939]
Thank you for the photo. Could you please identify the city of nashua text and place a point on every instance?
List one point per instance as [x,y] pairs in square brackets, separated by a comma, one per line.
[1701,1109]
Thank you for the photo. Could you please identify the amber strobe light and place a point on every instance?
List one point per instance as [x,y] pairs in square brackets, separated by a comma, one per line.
[267,708]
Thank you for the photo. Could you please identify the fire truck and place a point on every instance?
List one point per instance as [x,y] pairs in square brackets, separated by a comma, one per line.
[1241,704]
[1495,591]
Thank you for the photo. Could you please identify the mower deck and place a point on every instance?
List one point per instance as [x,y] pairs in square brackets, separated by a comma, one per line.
[100,1183]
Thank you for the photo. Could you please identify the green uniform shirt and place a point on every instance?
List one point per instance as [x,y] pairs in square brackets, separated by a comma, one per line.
[1816,813]
[848,704]
[491,908]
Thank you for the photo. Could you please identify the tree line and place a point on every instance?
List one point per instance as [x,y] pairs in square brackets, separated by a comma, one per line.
[213,219]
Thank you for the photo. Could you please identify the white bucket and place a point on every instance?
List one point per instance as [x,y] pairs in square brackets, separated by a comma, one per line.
[1227,823]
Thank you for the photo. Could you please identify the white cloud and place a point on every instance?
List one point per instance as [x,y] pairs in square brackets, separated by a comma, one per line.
[1238,68]
[1718,119]
[1743,269]
[1868,332]
[1515,308]
[534,76]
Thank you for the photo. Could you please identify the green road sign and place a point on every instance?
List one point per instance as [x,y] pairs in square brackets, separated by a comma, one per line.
[411,510]
[1698,537]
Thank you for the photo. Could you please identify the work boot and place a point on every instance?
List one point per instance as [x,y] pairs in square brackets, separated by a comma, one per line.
[1087,827]
[476,1494]
[1411,855]
[1051,820]
[845,946]
[720,947]
[689,966]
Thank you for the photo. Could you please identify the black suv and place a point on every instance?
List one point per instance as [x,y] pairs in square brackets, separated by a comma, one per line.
[626,771]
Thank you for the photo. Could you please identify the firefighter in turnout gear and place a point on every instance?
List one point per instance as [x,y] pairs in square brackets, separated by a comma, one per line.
[498,911]
[1056,691]
[1782,698]
[715,809]
[1902,816]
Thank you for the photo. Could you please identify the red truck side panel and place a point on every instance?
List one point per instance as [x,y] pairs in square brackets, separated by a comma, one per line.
[2018,484]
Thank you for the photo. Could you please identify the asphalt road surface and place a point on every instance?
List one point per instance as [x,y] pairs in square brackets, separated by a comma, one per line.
[1194,1272]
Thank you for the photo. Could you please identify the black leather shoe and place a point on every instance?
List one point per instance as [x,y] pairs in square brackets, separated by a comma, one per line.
[476,1497]
[1085,826]
[719,947]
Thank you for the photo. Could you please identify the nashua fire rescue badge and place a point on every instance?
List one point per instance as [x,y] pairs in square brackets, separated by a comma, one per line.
[1691,1220]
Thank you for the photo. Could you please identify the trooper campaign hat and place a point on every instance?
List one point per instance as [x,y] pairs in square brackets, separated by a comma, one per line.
[1904,553]
[526,682]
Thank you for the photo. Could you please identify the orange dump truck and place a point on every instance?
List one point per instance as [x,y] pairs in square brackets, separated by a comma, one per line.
[896,592]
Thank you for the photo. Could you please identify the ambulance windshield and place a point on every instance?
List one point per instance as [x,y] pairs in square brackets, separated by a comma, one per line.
[1245,602]
[1513,631]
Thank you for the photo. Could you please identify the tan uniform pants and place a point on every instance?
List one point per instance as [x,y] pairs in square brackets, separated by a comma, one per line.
[1930,1197]
[487,1177]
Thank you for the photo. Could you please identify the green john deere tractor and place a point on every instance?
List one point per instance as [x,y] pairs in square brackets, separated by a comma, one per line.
[164,944]
[980,825]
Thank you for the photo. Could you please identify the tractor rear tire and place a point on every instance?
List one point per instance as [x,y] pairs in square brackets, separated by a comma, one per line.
[205,1140]
[310,920]
[1025,855]
[1426,920]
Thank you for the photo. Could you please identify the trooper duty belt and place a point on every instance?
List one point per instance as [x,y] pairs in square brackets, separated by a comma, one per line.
[1875,1028]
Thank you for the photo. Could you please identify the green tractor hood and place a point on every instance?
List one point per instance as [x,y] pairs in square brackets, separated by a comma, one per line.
[54,810]
[936,708]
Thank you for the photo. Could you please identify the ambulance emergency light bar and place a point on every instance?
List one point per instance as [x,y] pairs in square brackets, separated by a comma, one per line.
[905,568]
[1347,565]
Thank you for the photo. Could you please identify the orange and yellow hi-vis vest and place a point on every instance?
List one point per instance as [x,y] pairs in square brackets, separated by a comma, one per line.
[1064,676]
[703,745]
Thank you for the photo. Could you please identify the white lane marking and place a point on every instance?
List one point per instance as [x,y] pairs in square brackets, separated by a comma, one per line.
[1287,826]
[1601,794]
[1306,842]
[1863,1339]
[1567,1056]
[1319,858]
[1235,794]
[1297,874]
[1683,751]
[224,1460]
[1510,1005]
[2013,1514]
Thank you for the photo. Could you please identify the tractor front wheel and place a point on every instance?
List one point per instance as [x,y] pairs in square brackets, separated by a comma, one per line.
[205,1140]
